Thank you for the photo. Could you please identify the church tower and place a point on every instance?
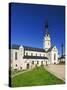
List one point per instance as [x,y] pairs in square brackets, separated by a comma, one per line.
[46,40]
[62,50]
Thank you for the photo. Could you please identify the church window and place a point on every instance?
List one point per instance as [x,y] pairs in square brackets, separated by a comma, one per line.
[54,56]
[16,65]
[15,55]
[41,62]
[37,62]
[27,53]
[32,62]
[31,54]
[20,67]
[36,54]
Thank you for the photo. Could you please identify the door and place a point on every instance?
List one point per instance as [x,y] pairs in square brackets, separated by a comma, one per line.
[27,65]
[54,62]
[41,62]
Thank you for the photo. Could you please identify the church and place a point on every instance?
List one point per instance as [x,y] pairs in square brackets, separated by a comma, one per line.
[26,57]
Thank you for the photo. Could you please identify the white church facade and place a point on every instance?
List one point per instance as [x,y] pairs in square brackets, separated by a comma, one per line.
[25,57]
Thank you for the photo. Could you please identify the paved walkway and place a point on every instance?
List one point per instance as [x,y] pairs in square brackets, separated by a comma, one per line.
[57,70]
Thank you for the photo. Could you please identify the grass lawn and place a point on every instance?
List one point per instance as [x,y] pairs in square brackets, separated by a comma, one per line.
[35,77]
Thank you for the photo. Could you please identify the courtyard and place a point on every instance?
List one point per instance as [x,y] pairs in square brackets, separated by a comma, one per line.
[35,77]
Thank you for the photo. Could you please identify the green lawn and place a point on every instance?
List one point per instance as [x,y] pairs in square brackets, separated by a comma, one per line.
[35,77]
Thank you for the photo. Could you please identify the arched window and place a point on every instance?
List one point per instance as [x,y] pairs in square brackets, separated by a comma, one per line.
[36,54]
[31,54]
[37,62]
[16,65]
[15,55]
[32,62]
[54,56]
[40,54]
[41,62]
[26,53]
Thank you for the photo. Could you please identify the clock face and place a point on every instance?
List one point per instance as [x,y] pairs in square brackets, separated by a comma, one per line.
[47,38]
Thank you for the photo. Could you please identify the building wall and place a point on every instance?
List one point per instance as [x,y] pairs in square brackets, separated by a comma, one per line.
[54,51]
[35,52]
[49,57]
[61,60]
[21,63]
[37,62]
[15,61]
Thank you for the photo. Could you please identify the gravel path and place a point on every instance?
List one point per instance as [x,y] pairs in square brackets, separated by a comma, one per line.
[57,70]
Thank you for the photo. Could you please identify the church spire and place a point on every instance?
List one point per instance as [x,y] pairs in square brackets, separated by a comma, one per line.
[46,27]
[47,39]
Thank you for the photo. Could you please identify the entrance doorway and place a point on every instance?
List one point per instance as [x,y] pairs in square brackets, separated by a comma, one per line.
[54,62]
[27,65]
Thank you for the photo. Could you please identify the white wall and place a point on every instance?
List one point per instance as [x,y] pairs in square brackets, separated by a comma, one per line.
[49,57]
[14,62]
[54,50]
[21,62]
[34,53]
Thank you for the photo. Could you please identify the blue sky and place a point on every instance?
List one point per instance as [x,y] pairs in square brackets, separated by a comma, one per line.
[28,21]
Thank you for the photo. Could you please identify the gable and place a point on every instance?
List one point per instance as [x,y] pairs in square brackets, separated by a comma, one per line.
[54,49]
[14,46]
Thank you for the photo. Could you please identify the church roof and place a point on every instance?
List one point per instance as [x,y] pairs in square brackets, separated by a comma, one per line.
[35,57]
[50,49]
[15,46]
[33,49]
